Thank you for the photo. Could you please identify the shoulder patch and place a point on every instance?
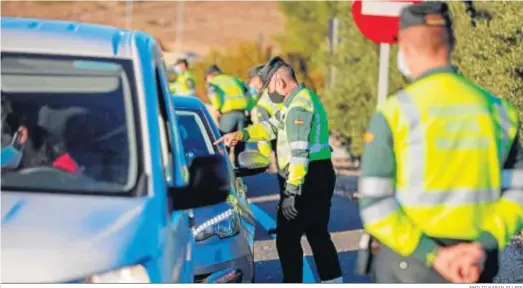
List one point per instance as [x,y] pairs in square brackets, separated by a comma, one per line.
[368,137]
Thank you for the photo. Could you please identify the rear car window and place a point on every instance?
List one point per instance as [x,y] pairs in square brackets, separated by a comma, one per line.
[196,141]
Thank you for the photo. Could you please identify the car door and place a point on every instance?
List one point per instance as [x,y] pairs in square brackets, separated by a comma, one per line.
[176,174]
[240,191]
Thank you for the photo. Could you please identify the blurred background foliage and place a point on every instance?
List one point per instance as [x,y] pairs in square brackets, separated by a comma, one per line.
[489,51]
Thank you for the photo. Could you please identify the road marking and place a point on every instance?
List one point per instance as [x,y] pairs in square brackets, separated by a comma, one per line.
[267,223]
[266,198]
[345,241]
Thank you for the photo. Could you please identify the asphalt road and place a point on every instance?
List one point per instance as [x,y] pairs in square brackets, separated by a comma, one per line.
[345,227]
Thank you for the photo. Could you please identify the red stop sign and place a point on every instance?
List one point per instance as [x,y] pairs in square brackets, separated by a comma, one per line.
[379,21]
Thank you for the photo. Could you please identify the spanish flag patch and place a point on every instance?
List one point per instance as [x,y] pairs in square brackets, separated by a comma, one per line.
[368,137]
[298,122]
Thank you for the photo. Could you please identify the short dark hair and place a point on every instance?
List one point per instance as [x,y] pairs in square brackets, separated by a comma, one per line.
[213,69]
[182,61]
[290,71]
[254,71]
[10,120]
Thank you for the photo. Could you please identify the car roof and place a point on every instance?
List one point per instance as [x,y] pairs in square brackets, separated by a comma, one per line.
[40,36]
[196,105]
[190,103]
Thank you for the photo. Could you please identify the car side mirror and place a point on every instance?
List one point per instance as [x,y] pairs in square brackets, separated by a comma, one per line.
[251,163]
[210,180]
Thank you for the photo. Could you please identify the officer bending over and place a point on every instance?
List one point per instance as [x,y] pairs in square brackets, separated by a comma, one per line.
[227,96]
[304,153]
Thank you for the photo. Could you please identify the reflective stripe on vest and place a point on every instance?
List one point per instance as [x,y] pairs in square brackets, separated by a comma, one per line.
[513,182]
[415,191]
[513,178]
[318,144]
[375,187]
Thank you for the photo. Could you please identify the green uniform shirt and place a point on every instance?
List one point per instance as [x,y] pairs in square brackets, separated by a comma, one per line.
[302,131]
[379,161]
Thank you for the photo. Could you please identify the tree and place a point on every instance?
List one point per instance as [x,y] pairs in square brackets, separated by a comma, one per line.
[306,28]
[490,54]
[352,99]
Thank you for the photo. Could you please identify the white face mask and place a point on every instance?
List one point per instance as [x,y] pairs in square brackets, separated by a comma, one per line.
[402,66]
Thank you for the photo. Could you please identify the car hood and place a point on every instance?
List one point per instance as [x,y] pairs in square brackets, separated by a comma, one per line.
[60,238]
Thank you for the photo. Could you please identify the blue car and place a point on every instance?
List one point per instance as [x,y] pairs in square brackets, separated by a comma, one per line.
[224,234]
[95,185]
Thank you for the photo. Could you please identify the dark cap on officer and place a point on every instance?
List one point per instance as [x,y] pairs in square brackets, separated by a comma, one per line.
[269,69]
[425,14]
[254,71]
[213,70]
[182,61]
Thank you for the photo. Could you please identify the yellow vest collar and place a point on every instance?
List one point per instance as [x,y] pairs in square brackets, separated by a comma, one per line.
[444,69]
[293,94]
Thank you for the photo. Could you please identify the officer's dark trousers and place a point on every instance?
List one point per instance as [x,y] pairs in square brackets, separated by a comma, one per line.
[280,174]
[390,267]
[313,217]
[231,122]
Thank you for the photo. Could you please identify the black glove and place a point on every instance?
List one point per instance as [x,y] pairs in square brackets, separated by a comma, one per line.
[288,209]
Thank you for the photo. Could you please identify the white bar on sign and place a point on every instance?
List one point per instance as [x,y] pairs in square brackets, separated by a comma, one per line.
[377,8]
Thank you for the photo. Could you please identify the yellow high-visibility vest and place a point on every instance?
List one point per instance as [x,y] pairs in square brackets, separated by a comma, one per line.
[184,85]
[450,141]
[226,93]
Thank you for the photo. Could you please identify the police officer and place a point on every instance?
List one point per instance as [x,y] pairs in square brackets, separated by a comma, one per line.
[227,96]
[304,153]
[263,111]
[252,93]
[185,83]
[442,172]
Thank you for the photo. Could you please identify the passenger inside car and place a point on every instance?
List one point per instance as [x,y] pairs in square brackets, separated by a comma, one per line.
[25,144]
[69,109]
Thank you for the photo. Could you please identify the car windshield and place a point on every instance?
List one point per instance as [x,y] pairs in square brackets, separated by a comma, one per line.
[67,124]
[196,140]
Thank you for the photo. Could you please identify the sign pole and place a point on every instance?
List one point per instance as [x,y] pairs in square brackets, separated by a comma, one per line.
[333,42]
[383,76]
[379,22]
[179,26]
[129,16]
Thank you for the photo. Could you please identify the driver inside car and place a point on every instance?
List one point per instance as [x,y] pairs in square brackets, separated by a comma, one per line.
[27,145]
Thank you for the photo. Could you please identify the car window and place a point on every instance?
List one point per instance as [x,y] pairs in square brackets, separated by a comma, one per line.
[78,115]
[196,141]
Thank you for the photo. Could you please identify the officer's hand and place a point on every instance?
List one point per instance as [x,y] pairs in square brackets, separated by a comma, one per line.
[288,209]
[461,263]
[470,262]
[230,139]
